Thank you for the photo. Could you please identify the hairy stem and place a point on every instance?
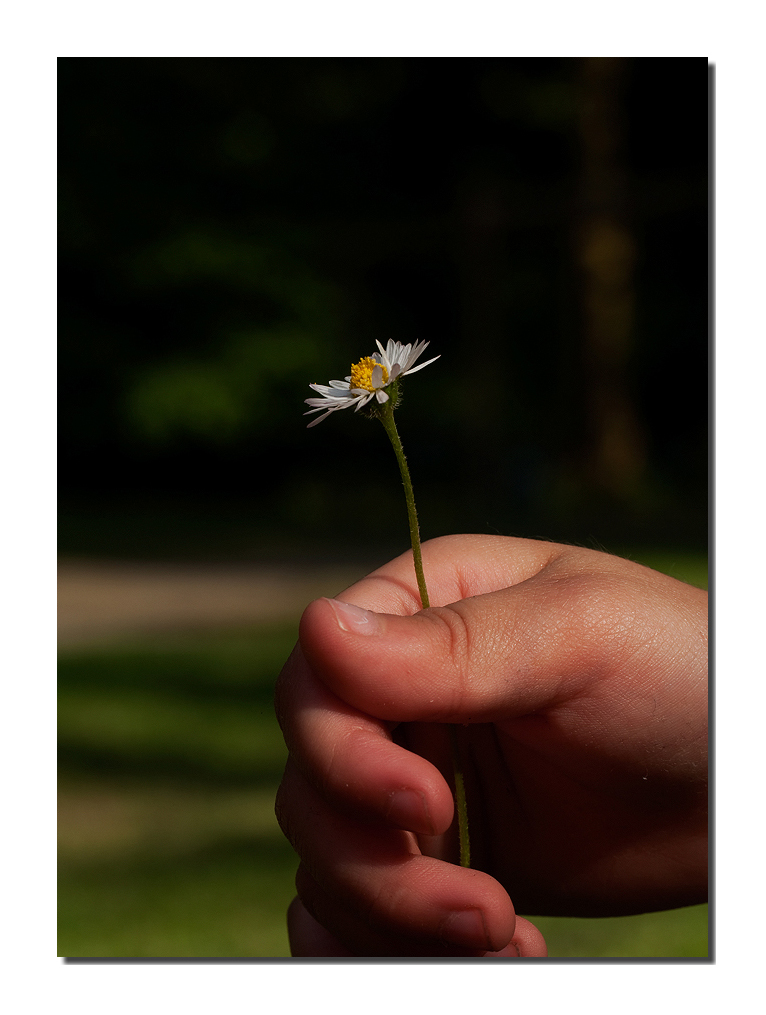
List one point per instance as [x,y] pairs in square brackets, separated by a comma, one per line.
[386,416]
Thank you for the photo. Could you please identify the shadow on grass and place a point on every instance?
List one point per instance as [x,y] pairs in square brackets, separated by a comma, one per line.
[78,762]
[200,710]
[225,900]
[170,755]
[168,730]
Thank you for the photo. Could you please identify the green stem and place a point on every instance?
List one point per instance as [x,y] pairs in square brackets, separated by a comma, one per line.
[460,800]
[386,415]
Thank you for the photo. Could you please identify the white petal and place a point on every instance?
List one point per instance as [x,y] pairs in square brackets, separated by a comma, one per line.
[329,399]
[414,370]
[382,357]
[365,400]
[337,390]
[381,396]
[330,404]
[413,354]
[318,419]
[322,402]
[377,376]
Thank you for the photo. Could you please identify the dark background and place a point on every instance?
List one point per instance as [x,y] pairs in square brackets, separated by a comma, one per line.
[232,229]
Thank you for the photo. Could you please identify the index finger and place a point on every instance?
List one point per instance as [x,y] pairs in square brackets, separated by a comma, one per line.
[350,758]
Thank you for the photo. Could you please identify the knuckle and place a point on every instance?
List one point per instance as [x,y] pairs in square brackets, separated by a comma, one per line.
[385,906]
[281,810]
[280,701]
[459,646]
[287,815]
[591,616]
[454,628]
[287,688]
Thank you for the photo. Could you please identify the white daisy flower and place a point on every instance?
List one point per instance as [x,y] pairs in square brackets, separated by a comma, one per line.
[368,379]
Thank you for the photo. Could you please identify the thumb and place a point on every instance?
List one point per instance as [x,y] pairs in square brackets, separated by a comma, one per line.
[482,659]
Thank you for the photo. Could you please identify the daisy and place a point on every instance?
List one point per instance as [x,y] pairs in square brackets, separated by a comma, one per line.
[368,379]
[377,377]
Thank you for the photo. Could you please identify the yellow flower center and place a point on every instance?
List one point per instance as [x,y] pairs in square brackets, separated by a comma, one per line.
[361,374]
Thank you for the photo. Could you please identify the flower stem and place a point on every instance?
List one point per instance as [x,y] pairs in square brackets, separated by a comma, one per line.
[386,415]
[460,800]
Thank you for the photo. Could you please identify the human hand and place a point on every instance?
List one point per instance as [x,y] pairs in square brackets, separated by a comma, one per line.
[578,681]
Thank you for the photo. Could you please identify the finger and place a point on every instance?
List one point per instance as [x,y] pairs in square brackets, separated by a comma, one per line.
[498,655]
[350,758]
[528,939]
[527,943]
[344,929]
[456,567]
[379,875]
[483,659]
[308,938]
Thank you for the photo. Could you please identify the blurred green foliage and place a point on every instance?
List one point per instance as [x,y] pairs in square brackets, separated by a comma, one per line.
[200,709]
[233,229]
[169,759]
[169,762]
[675,934]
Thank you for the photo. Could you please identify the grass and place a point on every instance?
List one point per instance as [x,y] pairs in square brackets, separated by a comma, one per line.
[222,900]
[687,567]
[677,933]
[170,758]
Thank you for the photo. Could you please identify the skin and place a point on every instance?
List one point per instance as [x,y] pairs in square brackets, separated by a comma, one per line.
[578,682]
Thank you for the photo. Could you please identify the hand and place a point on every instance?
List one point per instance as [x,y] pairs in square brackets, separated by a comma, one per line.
[578,681]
